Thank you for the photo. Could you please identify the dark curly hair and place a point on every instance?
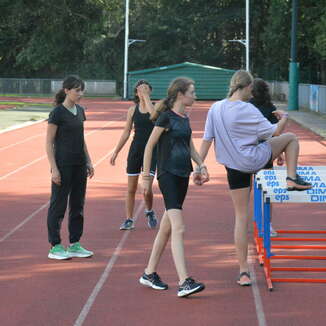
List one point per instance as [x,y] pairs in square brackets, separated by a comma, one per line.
[140,82]
[260,92]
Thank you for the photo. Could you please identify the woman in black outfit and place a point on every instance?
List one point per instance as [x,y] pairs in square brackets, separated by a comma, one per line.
[138,117]
[175,150]
[70,165]
[262,100]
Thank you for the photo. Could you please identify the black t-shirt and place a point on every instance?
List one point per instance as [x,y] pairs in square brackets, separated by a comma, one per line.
[266,110]
[69,138]
[173,149]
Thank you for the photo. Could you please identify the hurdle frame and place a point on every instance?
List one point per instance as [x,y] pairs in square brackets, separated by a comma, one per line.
[262,201]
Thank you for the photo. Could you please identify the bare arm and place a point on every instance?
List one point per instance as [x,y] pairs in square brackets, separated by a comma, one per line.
[89,165]
[125,135]
[144,93]
[50,136]
[152,141]
[204,148]
[194,154]
[201,174]
[283,119]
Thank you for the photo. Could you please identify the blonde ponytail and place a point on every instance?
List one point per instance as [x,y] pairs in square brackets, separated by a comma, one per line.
[239,80]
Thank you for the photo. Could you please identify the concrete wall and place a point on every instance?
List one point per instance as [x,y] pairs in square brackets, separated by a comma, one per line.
[311,97]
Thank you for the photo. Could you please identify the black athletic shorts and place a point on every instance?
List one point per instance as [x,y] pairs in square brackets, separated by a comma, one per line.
[174,190]
[135,160]
[238,179]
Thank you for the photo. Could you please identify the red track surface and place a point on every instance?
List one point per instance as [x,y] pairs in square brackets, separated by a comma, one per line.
[104,290]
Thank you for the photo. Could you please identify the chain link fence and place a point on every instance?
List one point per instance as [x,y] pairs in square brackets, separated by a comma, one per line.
[50,86]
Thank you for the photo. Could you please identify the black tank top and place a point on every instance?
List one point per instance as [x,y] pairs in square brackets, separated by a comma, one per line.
[143,126]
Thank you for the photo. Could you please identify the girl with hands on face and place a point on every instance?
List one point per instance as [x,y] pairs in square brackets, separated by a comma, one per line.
[138,118]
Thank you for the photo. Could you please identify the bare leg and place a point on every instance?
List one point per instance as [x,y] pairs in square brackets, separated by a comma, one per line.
[178,228]
[131,194]
[240,198]
[148,196]
[160,242]
[289,144]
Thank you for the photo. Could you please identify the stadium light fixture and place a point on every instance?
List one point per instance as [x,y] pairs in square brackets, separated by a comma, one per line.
[245,42]
[128,42]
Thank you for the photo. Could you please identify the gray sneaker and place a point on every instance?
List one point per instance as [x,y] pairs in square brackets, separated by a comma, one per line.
[151,219]
[128,224]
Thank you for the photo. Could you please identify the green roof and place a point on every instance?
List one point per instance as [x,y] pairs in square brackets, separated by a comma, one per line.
[179,65]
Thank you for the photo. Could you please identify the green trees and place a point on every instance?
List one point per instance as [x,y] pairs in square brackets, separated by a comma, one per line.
[43,38]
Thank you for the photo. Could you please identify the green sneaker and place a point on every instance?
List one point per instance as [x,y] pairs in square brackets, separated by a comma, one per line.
[58,252]
[76,250]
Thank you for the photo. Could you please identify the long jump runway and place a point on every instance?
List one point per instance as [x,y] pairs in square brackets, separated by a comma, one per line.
[104,290]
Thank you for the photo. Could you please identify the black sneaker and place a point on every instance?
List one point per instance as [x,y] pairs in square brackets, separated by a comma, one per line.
[151,219]
[190,286]
[297,184]
[128,224]
[153,281]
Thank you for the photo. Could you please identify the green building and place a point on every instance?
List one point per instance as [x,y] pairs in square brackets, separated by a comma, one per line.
[211,82]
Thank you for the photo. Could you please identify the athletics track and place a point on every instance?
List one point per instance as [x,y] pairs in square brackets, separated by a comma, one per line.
[104,290]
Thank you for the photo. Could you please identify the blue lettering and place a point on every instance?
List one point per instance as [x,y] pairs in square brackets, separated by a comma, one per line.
[319,199]
[316,191]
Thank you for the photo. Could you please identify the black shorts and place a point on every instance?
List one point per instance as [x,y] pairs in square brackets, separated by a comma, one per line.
[174,190]
[238,179]
[135,160]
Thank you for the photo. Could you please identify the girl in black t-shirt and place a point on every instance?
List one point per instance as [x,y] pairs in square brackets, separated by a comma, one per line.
[138,117]
[70,165]
[175,149]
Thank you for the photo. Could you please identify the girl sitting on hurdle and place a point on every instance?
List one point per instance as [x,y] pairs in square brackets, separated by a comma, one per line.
[244,145]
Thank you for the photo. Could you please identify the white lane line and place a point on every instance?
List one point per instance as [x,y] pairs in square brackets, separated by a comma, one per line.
[21,142]
[91,299]
[22,125]
[22,167]
[28,218]
[255,291]
[44,156]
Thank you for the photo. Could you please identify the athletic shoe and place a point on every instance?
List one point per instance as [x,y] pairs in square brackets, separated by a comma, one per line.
[153,281]
[128,224]
[190,286]
[151,219]
[272,232]
[76,250]
[58,252]
[297,184]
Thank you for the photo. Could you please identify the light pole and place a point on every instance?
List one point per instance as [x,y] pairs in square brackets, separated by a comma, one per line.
[294,66]
[128,42]
[126,50]
[125,86]
[246,41]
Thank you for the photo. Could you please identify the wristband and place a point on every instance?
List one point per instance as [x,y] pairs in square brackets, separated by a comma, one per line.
[285,115]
